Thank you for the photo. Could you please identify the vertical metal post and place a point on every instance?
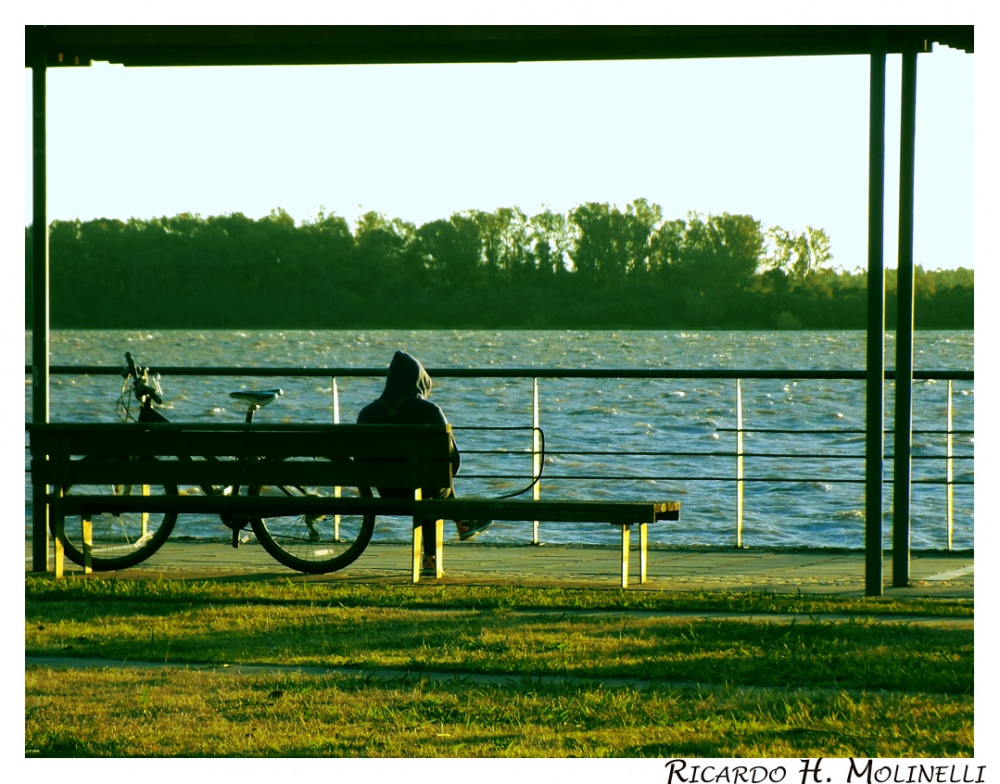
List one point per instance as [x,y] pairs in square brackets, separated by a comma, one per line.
[903,417]
[335,403]
[626,544]
[739,463]
[40,304]
[875,353]
[536,453]
[950,467]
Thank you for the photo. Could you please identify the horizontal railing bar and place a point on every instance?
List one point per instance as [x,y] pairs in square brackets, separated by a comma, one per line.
[256,429]
[491,427]
[549,453]
[630,478]
[852,432]
[769,373]
[756,455]
[633,478]
[771,479]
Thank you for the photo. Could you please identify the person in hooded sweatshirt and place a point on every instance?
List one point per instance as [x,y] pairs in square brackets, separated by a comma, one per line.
[404,402]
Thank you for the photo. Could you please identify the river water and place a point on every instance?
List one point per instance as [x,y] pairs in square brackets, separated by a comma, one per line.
[688,422]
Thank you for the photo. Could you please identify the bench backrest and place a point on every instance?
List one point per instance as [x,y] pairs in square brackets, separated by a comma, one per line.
[404,456]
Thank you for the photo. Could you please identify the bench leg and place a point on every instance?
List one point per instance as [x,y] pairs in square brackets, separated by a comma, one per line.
[418,549]
[438,548]
[145,515]
[58,521]
[626,537]
[87,536]
[60,558]
[643,557]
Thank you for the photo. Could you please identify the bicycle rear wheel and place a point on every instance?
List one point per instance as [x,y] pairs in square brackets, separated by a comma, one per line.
[315,544]
[119,540]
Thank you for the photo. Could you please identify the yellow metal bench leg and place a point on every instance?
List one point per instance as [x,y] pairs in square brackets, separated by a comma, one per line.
[88,544]
[643,557]
[418,549]
[626,537]
[145,515]
[59,560]
[58,520]
[438,548]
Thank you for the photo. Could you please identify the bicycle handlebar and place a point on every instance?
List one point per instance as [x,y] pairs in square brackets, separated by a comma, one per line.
[139,385]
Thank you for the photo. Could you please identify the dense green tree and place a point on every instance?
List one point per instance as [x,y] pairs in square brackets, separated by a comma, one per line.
[612,246]
[505,241]
[719,253]
[797,255]
[598,266]
[450,250]
[381,249]
[550,243]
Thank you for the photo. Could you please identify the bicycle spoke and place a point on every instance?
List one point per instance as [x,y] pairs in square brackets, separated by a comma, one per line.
[315,544]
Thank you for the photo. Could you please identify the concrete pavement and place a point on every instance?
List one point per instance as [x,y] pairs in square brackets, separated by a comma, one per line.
[938,574]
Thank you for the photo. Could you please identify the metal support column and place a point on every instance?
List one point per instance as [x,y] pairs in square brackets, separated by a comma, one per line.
[950,469]
[875,353]
[40,304]
[338,490]
[536,453]
[903,417]
[739,463]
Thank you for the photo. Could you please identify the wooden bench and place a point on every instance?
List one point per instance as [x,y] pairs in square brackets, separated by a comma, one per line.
[325,455]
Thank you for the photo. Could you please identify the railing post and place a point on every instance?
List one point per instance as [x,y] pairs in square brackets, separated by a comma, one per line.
[536,454]
[950,463]
[739,463]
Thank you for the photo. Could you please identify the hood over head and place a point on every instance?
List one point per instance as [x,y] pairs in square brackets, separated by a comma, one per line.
[406,378]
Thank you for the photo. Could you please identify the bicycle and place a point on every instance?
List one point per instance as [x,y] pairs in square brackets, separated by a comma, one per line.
[314,544]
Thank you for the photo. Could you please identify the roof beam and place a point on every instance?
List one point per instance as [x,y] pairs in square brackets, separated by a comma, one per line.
[233,45]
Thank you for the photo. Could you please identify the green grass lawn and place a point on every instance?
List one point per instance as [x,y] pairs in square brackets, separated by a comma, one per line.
[531,672]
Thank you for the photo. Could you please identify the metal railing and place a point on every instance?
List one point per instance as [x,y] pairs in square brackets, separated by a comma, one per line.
[739,456]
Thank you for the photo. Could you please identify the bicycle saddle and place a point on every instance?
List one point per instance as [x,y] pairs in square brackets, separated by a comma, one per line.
[258,399]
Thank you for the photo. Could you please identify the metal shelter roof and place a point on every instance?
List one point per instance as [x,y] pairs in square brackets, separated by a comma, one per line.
[208,45]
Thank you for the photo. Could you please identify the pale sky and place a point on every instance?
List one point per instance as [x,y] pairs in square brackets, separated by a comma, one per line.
[782,139]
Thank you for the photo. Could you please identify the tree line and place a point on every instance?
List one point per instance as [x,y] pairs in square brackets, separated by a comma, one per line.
[596,266]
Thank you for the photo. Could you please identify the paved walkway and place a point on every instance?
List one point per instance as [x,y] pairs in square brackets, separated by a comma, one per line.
[942,575]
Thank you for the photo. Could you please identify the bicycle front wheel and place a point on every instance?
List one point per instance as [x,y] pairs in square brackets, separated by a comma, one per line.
[119,540]
[315,544]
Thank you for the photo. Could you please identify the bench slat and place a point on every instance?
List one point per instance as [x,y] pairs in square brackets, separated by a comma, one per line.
[319,473]
[317,455]
[264,506]
[613,512]
[110,440]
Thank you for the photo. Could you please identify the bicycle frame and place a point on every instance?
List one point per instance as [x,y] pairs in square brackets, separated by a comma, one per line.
[146,393]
